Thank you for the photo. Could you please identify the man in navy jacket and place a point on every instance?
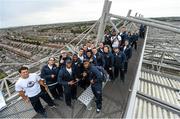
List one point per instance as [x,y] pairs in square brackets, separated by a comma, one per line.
[123,35]
[95,77]
[128,52]
[49,73]
[66,77]
[119,60]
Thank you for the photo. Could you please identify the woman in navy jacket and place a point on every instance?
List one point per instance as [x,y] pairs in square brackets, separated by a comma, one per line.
[49,73]
[109,60]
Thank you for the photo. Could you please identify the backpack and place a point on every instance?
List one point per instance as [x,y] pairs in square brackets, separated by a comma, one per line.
[104,73]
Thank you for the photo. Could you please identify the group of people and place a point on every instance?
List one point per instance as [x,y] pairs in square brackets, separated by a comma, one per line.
[83,68]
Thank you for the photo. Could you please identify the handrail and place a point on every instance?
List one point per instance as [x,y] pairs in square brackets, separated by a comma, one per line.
[132,97]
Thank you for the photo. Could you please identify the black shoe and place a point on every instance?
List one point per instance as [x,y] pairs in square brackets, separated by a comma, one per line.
[60,98]
[69,105]
[44,114]
[75,98]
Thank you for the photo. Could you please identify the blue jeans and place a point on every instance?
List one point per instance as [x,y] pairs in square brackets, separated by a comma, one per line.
[97,91]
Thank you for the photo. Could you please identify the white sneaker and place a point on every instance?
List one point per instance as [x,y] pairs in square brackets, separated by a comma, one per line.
[98,110]
[53,107]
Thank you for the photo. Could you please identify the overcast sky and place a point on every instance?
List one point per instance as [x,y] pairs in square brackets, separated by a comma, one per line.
[31,12]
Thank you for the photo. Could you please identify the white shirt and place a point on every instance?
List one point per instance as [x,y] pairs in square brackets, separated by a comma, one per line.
[50,67]
[124,48]
[69,70]
[30,85]
[115,40]
[89,48]
[81,58]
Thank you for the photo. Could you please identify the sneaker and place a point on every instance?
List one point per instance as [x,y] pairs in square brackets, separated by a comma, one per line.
[74,98]
[98,110]
[69,105]
[53,107]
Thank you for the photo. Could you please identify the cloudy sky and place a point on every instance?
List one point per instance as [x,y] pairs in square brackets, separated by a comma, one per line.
[31,12]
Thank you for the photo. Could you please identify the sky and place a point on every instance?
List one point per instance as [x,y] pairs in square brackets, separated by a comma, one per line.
[33,12]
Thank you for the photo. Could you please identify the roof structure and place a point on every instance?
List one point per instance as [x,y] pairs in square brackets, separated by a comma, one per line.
[157,90]
[152,86]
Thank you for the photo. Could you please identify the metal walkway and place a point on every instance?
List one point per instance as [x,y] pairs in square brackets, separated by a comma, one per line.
[115,96]
[157,90]
[151,88]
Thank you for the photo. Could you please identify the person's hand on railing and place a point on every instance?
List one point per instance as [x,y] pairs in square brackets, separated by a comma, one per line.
[25,99]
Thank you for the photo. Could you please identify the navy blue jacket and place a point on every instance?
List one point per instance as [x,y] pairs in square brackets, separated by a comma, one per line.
[130,38]
[109,59]
[77,65]
[46,73]
[62,65]
[119,59]
[134,37]
[94,74]
[107,40]
[127,52]
[124,36]
[92,60]
[64,77]
[100,50]
[99,59]
[142,28]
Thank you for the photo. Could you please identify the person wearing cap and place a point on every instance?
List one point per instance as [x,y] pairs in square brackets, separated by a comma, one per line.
[49,73]
[109,61]
[127,49]
[66,77]
[95,77]
[119,60]
[62,59]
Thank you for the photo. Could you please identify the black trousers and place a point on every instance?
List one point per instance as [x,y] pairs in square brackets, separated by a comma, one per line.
[70,93]
[56,90]
[125,66]
[142,34]
[97,91]
[134,44]
[116,73]
[36,103]
[110,72]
